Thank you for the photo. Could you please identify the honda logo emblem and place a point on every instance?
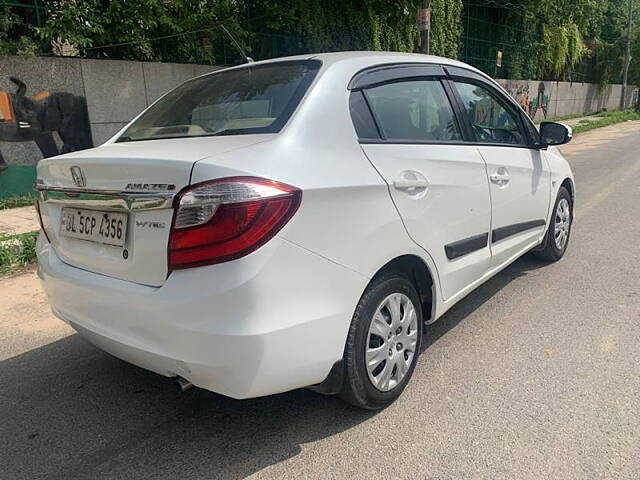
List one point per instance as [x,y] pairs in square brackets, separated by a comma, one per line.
[78,177]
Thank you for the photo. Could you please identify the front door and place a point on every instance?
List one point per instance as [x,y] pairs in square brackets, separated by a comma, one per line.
[519,177]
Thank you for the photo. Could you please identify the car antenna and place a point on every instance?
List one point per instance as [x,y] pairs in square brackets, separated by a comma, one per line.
[244,55]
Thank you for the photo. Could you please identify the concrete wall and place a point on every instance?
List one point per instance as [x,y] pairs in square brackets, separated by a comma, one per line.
[110,92]
[115,91]
[556,99]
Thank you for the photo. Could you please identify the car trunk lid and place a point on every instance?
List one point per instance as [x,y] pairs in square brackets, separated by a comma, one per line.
[132,184]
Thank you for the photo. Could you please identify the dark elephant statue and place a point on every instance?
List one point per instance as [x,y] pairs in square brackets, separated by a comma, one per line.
[36,118]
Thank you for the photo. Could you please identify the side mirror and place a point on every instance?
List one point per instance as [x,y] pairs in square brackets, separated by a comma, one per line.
[552,133]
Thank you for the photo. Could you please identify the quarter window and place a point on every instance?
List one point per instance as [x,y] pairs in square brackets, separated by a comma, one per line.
[361,116]
[414,110]
[491,120]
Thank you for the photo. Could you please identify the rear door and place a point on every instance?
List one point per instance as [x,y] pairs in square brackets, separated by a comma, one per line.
[519,176]
[410,133]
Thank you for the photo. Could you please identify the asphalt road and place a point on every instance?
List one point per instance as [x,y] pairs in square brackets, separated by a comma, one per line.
[534,375]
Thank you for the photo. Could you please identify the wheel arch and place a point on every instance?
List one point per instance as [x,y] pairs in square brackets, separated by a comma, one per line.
[568,184]
[417,271]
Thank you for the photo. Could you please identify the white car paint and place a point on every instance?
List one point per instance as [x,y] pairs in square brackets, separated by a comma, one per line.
[277,319]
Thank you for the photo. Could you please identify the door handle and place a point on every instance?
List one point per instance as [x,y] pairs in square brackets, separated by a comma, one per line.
[408,184]
[501,177]
[413,183]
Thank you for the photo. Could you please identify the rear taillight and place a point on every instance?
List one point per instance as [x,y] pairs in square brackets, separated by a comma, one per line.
[40,220]
[225,219]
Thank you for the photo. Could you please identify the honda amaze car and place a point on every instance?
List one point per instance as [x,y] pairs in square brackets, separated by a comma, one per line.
[296,222]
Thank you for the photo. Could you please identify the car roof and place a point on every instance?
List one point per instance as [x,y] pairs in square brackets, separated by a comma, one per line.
[373,58]
[376,56]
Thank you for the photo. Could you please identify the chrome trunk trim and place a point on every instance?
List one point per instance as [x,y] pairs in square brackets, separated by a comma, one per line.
[104,199]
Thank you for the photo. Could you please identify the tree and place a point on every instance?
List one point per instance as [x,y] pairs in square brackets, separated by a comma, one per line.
[16,37]
[609,51]
[133,26]
[264,28]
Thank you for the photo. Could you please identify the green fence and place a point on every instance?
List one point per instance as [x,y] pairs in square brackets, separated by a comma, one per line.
[497,49]
[508,48]
[31,11]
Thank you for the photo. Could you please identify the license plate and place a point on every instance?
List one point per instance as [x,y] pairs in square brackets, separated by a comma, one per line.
[94,226]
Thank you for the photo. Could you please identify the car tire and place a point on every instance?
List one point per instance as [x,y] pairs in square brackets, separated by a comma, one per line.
[392,348]
[552,249]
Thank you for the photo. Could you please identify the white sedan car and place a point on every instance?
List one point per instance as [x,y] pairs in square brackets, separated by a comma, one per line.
[295,222]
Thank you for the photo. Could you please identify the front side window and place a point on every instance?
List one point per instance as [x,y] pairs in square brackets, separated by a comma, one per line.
[251,99]
[492,122]
[414,110]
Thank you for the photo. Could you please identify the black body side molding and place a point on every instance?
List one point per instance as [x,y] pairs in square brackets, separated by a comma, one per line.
[468,245]
[504,232]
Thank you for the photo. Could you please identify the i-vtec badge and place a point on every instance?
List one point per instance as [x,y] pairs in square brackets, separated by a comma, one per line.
[150,187]
[148,224]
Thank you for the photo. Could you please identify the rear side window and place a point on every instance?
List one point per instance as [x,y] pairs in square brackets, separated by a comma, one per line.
[491,119]
[251,99]
[416,110]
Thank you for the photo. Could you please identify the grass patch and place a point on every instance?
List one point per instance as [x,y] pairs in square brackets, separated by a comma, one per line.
[606,119]
[17,251]
[571,116]
[17,201]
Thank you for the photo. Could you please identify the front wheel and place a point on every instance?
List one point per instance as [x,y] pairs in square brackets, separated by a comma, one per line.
[383,343]
[556,239]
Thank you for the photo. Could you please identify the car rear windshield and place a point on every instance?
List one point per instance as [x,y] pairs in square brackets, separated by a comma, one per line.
[250,99]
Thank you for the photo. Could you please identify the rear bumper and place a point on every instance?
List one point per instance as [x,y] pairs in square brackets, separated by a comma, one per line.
[273,321]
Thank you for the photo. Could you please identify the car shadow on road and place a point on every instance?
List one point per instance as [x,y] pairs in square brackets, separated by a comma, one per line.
[478,297]
[69,410]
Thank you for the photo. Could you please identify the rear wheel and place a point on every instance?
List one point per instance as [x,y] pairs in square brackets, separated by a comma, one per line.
[383,343]
[556,239]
